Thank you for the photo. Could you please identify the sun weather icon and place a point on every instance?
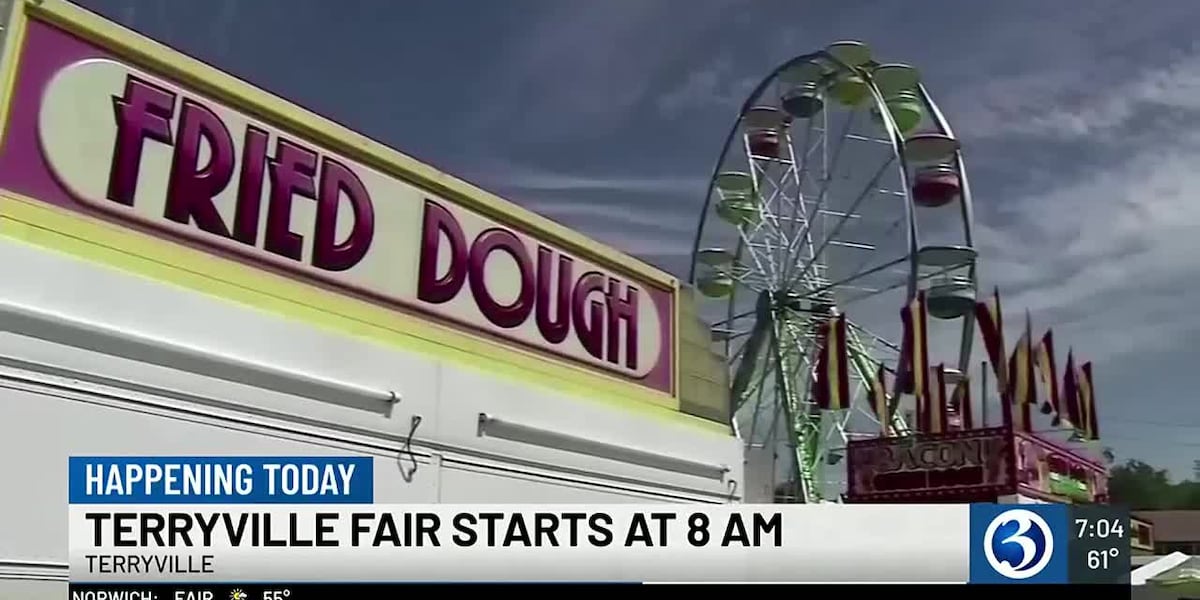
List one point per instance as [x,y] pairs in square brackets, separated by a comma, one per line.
[1018,544]
[237,594]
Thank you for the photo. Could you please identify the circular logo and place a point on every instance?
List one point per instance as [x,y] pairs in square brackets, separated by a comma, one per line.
[1018,543]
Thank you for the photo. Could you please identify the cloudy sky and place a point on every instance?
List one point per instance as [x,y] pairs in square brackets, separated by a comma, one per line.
[1080,122]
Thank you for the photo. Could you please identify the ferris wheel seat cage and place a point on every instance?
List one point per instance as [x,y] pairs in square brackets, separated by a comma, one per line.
[895,77]
[803,104]
[734,182]
[946,256]
[930,148]
[764,117]
[951,299]
[853,53]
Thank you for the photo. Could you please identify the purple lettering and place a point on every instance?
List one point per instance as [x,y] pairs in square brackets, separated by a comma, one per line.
[147,112]
[143,112]
[293,170]
[430,287]
[589,326]
[191,189]
[553,328]
[250,186]
[505,316]
[626,310]
[602,310]
[337,180]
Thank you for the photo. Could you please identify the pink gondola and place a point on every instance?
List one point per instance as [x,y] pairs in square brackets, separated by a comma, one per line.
[936,185]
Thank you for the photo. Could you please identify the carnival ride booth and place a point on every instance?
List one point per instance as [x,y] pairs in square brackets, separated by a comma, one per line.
[994,464]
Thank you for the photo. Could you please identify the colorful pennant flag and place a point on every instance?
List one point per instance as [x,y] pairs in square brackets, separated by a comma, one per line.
[832,388]
[991,328]
[1044,359]
[913,375]
[1022,390]
[879,402]
[937,409]
[1071,393]
[1087,402]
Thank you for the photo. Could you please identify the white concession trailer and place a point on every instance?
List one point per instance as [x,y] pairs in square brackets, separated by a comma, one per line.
[191,266]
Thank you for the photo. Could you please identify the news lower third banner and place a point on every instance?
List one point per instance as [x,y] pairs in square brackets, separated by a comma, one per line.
[300,520]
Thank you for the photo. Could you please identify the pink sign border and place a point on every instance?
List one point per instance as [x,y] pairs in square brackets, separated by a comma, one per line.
[955,493]
[47,49]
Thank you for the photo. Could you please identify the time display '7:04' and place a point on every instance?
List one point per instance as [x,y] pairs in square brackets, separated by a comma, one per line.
[1099,528]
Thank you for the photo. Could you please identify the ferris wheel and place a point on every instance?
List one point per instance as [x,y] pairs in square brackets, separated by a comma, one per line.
[812,213]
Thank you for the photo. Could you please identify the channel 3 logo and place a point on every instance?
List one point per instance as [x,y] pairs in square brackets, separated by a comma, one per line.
[1018,544]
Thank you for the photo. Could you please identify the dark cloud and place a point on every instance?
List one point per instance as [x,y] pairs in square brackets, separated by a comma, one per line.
[1079,120]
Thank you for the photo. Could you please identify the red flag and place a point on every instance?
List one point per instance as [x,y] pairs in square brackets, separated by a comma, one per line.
[832,388]
[1044,358]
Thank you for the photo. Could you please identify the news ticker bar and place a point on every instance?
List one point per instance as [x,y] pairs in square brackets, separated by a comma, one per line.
[630,543]
[371,591]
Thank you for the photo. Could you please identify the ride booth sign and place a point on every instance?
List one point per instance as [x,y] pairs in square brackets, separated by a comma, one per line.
[981,465]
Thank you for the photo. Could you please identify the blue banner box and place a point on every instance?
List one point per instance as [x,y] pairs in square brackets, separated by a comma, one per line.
[221,480]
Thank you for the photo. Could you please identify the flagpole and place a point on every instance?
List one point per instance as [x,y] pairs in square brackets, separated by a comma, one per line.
[983,393]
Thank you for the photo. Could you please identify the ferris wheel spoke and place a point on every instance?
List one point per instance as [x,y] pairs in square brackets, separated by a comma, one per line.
[799,210]
[857,276]
[858,269]
[865,193]
[807,148]
[866,138]
[865,363]
[730,319]
[739,355]
[822,197]
[859,330]
[774,371]
[748,362]
[790,257]
[772,192]
[895,286]
[749,245]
